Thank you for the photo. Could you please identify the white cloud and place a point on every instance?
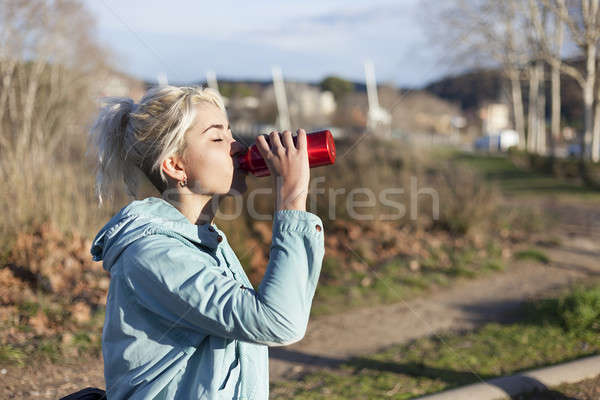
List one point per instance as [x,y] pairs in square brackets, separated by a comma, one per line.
[307,38]
[343,30]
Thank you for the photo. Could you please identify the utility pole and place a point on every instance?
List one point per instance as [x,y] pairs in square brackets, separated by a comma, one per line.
[378,119]
[283,116]
[211,80]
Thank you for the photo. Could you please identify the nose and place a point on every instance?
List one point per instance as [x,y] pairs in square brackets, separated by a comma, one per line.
[236,148]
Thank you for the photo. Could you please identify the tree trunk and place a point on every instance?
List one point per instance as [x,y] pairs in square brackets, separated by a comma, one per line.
[588,104]
[556,100]
[588,100]
[541,110]
[555,107]
[517,100]
[595,144]
[532,125]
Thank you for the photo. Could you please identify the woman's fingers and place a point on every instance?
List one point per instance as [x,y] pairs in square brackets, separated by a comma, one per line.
[263,146]
[282,155]
[275,142]
[301,139]
[288,142]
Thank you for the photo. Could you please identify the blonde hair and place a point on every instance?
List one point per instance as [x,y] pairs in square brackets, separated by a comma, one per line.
[133,137]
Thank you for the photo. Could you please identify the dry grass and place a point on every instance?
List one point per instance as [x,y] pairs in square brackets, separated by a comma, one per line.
[41,190]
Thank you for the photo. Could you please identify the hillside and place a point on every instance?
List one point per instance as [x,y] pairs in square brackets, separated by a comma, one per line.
[473,88]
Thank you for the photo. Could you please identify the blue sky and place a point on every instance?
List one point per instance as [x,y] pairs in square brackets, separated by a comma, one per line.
[308,39]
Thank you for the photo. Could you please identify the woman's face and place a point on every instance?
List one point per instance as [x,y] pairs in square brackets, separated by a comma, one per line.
[209,155]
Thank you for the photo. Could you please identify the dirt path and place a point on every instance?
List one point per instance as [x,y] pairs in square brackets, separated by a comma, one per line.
[332,339]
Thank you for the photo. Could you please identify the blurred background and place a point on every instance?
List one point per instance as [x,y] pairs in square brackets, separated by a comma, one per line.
[486,114]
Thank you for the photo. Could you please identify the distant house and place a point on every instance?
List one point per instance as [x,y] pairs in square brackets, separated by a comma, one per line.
[307,104]
[117,84]
[421,112]
[495,117]
[496,128]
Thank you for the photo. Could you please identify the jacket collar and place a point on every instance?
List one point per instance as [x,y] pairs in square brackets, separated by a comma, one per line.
[148,216]
[165,217]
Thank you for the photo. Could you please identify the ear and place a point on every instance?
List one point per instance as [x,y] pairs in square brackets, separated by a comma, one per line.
[173,167]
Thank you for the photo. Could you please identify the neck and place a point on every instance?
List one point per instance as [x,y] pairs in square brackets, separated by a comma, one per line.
[199,209]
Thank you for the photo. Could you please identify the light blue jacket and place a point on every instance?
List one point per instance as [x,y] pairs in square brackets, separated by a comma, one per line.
[182,319]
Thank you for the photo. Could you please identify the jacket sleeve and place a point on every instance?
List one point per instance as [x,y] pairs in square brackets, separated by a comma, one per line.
[184,286]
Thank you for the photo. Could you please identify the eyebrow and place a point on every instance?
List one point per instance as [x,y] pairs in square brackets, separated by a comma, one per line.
[218,126]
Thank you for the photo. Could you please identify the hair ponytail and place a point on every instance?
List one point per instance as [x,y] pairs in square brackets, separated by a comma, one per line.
[109,136]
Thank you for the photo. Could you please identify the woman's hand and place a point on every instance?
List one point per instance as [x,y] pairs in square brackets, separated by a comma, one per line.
[289,166]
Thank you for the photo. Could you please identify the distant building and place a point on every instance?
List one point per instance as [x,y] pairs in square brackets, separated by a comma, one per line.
[117,84]
[421,112]
[495,117]
[310,102]
[307,104]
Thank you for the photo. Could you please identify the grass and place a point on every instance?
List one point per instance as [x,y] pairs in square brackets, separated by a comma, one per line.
[53,349]
[63,337]
[532,254]
[517,181]
[11,355]
[551,331]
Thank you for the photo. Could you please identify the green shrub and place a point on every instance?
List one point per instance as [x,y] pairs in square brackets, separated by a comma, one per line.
[532,254]
[581,310]
[576,312]
[11,354]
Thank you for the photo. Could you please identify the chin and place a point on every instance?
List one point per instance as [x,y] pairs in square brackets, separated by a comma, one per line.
[237,190]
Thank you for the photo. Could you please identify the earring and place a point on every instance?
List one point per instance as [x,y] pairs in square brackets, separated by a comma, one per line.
[183,182]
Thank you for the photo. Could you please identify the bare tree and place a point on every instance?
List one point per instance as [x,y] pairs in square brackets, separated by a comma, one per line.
[583,22]
[515,57]
[49,65]
[536,138]
[536,72]
[494,30]
[556,50]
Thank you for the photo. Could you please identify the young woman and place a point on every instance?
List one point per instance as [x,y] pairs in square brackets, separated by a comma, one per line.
[182,319]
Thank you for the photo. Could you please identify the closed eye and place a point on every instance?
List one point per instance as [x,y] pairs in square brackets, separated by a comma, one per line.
[217,140]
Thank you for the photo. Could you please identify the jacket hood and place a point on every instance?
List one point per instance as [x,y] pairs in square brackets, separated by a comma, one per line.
[150,216]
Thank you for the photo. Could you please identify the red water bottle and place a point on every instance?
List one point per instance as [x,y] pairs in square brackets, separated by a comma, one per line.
[320,146]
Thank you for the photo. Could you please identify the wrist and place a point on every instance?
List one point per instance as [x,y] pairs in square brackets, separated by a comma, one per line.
[295,207]
[293,202]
